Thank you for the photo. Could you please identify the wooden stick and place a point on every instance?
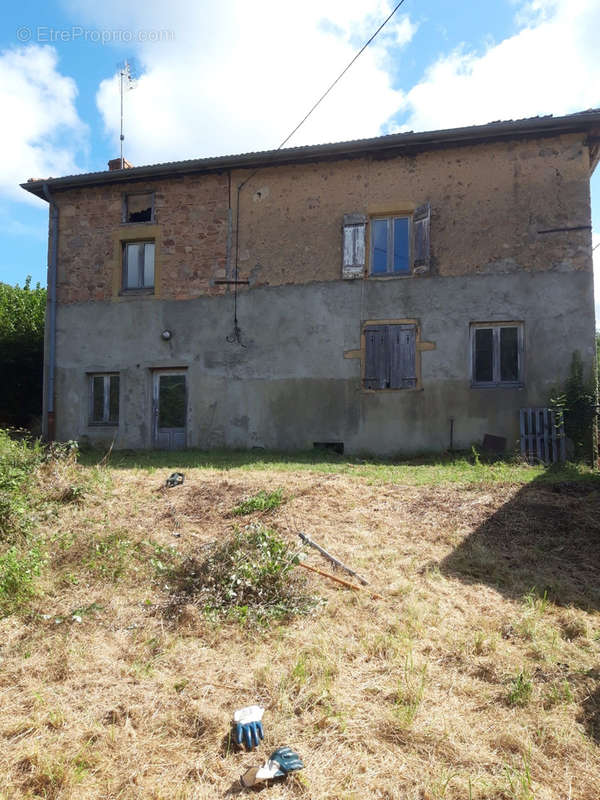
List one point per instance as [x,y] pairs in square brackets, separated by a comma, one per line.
[340,580]
[333,559]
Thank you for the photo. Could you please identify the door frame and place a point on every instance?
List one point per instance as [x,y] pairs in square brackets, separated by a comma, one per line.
[155,391]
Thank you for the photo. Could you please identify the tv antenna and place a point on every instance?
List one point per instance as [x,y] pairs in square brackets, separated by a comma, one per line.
[127,81]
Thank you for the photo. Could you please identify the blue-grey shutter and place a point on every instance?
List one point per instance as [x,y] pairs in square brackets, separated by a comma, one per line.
[403,350]
[353,245]
[376,358]
[421,255]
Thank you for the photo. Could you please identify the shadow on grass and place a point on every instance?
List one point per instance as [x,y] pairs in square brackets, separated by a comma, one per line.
[546,538]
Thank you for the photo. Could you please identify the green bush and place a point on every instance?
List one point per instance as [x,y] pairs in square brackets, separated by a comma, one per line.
[249,577]
[18,571]
[18,461]
[576,407]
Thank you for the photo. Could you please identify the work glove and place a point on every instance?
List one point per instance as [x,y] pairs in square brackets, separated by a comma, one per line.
[279,764]
[248,725]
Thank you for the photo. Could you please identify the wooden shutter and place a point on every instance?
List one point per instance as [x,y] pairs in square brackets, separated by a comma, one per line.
[376,357]
[353,245]
[403,356]
[421,219]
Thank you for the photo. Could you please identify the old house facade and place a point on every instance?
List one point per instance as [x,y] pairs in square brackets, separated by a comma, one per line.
[364,293]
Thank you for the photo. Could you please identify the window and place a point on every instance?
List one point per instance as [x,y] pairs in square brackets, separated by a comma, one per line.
[138,207]
[390,246]
[104,399]
[399,244]
[138,265]
[497,354]
[390,357]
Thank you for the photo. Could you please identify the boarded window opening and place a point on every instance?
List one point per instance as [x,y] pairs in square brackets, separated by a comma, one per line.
[333,447]
[139,207]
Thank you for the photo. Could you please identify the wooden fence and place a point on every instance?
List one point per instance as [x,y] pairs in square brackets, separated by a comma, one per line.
[542,438]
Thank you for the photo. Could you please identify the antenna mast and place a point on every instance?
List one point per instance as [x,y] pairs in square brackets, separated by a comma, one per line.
[124,74]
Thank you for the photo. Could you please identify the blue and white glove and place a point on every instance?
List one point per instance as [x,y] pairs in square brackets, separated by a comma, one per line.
[248,725]
[280,763]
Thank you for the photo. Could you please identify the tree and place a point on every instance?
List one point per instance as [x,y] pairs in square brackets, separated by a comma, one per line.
[22,315]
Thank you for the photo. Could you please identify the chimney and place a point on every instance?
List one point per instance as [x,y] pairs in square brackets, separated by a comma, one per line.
[115,163]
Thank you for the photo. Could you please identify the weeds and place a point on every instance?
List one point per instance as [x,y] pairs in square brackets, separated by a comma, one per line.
[248,578]
[520,691]
[410,692]
[262,501]
[18,572]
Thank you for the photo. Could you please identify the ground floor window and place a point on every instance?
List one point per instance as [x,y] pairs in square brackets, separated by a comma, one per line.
[390,356]
[497,353]
[104,398]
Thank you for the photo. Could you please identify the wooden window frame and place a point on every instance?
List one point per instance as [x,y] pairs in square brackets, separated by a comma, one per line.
[124,208]
[140,289]
[495,327]
[105,421]
[390,218]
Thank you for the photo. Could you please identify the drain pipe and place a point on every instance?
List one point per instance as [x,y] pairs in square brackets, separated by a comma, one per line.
[49,424]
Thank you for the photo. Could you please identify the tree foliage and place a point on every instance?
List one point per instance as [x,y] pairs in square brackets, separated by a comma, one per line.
[22,315]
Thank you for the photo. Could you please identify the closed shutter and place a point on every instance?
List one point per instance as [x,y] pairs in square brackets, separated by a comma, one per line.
[353,245]
[403,351]
[421,248]
[376,357]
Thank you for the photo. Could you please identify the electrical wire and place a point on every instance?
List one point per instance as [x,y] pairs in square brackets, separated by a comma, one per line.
[235,338]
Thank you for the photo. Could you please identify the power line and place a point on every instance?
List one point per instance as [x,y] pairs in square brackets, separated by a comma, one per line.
[235,337]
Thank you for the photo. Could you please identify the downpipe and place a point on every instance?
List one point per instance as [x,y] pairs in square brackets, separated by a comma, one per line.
[49,424]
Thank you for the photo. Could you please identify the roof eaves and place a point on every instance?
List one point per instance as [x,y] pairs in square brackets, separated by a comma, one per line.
[392,142]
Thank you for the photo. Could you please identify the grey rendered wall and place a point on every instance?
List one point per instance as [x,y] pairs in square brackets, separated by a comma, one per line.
[291,385]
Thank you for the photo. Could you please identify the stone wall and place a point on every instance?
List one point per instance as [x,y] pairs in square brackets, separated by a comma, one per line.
[489,202]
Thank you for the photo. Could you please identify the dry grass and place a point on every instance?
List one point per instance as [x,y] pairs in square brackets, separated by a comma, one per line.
[103,696]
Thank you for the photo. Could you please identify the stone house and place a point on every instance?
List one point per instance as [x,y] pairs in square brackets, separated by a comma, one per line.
[390,295]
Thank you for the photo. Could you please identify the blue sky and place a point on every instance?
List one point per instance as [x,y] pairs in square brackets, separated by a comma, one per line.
[218,78]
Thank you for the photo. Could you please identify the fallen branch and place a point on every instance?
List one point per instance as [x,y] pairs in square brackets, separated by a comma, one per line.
[340,580]
[335,561]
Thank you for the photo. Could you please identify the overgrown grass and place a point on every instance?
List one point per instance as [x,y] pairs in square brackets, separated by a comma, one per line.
[262,501]
[415,471]
[248,577]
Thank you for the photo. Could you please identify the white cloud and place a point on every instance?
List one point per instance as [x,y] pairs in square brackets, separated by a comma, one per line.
[240,76]
[41,130]
[550,66]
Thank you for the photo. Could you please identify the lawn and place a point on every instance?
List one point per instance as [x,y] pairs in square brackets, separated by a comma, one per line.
[475,676]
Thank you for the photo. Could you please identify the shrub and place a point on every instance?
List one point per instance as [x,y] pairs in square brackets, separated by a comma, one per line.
[576,407]
[249,577]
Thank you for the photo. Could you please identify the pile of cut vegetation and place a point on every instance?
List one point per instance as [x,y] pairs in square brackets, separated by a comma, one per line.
[249,577]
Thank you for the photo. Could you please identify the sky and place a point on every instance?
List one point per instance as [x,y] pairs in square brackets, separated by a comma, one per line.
[216,78]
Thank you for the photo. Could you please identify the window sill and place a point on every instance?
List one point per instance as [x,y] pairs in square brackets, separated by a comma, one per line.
[505,385]
[393,391]
[136,292]
[103,424]
[131,224]
[394,276]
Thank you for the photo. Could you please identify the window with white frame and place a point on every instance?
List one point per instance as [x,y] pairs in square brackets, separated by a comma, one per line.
[104,398]
[497,354]
[138,265]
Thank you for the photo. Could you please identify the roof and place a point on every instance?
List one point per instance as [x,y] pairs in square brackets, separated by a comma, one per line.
[397,143]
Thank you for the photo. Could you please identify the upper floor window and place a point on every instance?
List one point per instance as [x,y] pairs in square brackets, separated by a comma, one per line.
[138,207]
[398,244]
[497,354]
[390,246]
[138,265]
